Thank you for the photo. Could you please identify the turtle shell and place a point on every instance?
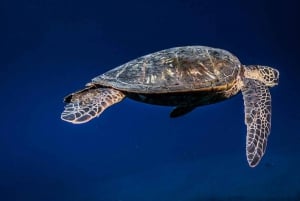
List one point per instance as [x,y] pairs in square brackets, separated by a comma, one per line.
[179,69]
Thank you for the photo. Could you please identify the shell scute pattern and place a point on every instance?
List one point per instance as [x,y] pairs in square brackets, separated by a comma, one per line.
[174,70]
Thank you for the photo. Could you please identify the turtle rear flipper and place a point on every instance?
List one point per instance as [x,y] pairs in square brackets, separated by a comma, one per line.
[181,110]
[257,101]
[84,105]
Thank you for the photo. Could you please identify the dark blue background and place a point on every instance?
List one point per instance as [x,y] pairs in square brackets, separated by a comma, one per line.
[135,152]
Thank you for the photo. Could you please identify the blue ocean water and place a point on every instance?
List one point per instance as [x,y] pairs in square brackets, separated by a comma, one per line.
[134,151]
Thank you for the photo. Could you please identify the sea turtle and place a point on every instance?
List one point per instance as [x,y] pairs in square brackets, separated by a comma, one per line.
[184,77]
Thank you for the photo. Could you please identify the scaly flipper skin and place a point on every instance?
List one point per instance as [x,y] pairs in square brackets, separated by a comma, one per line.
[84,105]
[257,101]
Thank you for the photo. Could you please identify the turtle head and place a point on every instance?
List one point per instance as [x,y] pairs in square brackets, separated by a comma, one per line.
[267,75]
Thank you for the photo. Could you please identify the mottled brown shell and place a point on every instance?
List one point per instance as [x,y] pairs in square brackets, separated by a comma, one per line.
[180,69]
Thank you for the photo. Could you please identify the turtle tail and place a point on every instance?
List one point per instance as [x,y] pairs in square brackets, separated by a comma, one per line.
[84,105]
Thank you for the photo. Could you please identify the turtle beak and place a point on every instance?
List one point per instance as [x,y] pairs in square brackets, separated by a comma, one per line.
[276,76]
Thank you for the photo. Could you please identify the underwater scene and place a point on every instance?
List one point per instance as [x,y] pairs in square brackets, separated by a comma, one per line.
[226,140]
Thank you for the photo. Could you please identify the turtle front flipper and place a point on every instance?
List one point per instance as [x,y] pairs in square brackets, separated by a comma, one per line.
[257,101]
[84,105]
